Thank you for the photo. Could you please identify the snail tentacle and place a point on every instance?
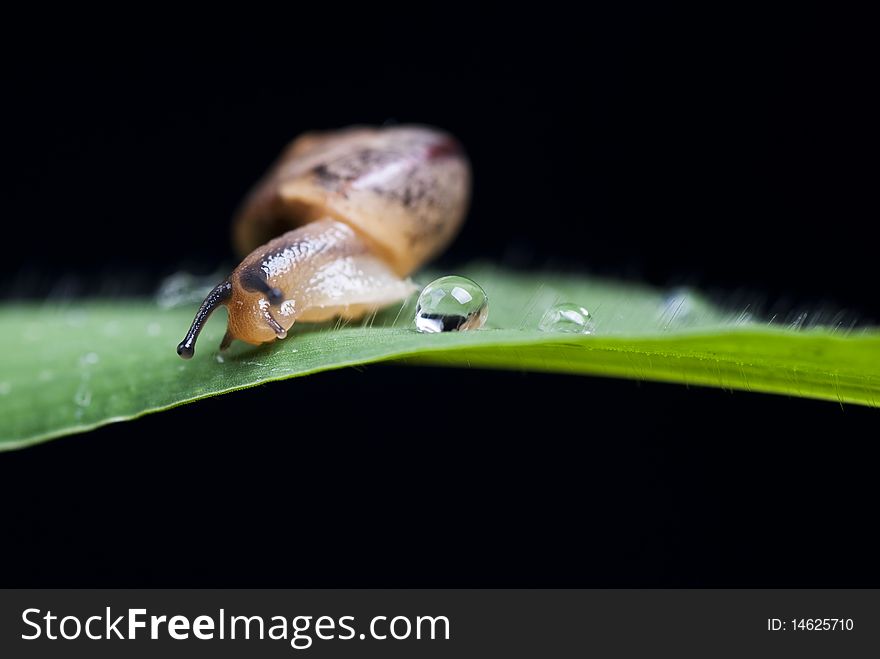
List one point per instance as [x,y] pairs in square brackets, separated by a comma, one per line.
[219,295]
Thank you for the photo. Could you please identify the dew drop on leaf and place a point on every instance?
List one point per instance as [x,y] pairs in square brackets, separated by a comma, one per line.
[568,318]
[451,303]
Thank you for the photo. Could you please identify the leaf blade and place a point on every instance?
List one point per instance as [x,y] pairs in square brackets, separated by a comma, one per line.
[75,367]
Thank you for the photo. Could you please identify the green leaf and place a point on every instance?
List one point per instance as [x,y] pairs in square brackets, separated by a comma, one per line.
[72,367]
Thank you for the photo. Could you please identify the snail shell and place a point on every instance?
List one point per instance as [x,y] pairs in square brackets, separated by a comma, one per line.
[336,225]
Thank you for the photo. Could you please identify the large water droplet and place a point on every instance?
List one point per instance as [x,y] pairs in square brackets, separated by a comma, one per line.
[567,317]
[451,303]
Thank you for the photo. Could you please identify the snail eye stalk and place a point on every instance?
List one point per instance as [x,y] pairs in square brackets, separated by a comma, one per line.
[218,296]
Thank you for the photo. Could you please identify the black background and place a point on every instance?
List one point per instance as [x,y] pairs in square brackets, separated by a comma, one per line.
[732,151]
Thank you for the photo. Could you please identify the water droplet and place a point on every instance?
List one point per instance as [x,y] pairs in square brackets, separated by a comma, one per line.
[219,359]
[568,318]
[5,388]
[154,329]
[451,303]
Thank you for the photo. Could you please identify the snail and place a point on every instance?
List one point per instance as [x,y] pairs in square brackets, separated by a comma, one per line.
[336,226]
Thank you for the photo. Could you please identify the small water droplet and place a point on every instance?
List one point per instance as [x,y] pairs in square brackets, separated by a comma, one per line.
[219,359]
[5,388]
[451,303]
[567,317]
[154,329]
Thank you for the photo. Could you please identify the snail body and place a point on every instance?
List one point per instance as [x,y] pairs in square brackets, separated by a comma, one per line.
[336,226]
